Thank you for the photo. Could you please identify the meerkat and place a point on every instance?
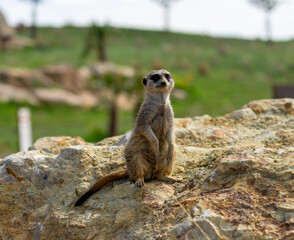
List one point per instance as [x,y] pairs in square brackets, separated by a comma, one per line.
[150,152]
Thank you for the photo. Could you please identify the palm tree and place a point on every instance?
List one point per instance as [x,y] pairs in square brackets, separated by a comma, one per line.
[267,6]
[166,4]
[34,17]
[96,41]
[117,82]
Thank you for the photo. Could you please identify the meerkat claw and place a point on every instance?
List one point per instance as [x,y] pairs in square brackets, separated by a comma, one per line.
[139,183]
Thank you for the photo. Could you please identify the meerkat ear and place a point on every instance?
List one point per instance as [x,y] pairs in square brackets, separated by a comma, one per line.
[144,81]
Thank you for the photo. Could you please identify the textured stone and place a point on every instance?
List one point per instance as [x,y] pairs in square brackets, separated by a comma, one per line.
[238,183]
[9,93]
[66,76]
[8,38]
[243,114]
[5,29]
[64,85]
[63,97]
[54,144]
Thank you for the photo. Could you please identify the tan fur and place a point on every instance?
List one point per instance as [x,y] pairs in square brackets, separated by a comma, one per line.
[150,151]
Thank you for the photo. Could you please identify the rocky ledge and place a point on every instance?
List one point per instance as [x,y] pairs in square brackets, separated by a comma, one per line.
[238,183]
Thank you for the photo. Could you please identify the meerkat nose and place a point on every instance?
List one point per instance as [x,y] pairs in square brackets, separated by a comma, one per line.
[163,83]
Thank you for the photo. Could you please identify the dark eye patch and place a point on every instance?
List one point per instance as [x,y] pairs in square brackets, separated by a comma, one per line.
[155,77]
[167,76]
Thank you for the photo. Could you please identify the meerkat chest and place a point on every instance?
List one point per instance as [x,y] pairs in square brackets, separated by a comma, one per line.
[160,121]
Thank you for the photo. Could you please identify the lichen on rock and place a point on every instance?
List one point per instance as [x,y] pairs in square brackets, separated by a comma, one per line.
[238,183]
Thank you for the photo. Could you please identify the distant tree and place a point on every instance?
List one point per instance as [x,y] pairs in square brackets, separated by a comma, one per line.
[118,79]
[267,6]
[34,17]
[166,4]
[118,83]
[96,41]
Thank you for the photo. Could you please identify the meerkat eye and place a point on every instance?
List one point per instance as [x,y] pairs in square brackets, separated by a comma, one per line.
[167,76]
[155,77]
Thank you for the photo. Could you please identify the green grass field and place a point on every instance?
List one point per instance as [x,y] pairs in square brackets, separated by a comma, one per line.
[218,75]
[90,124]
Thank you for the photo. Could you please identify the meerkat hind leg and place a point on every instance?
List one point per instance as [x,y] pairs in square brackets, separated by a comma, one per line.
[137,169]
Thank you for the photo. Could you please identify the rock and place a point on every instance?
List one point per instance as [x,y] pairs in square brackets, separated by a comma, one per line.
[178,93]
[36,96]
[85,72]
[243,114]
[16,77]
[110,141]
[272,106]
[57,96]
[6,32]
[125,101]
[64,97]
[155,195]
[238,181]
[62,85]
[124,139]
[104,68]
[88,99]
[66,76]
[10,93]
[265,135]
[24,78]
[123,218]
[63,76]
[8,39]
[55,144]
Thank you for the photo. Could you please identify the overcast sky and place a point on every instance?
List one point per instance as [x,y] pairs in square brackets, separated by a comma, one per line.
[229,18]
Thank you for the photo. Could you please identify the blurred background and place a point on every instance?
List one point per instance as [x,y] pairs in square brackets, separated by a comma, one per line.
[77,65]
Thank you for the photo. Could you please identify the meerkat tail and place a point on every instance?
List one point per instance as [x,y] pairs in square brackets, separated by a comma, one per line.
[116,175]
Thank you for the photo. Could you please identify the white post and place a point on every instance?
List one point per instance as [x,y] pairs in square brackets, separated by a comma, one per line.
[24,128]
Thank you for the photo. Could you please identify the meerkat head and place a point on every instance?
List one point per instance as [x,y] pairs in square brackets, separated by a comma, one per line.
[158,81]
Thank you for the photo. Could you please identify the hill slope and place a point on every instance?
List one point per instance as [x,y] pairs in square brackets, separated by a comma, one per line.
[218,74]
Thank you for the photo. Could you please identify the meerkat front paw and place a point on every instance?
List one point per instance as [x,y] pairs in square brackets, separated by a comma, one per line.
[139,183]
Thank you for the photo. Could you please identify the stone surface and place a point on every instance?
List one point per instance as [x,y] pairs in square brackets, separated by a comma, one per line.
[66,76]
[243,114]
[10,93]
[63,97]
[5,30]
[8,38]
[238,183]
[37,96]
[104,68]
[55,144]
[64,85]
